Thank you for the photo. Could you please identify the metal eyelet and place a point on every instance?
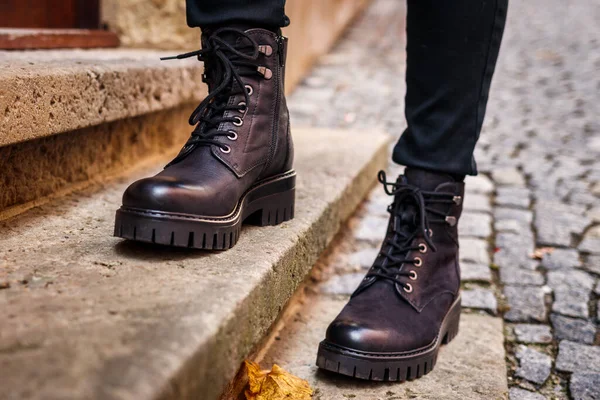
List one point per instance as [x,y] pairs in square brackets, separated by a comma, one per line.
[225,150]
[233,136]
[430,232]
[249,90]
[265,49]
[418,262]
[245,109]
[423,248]
[413,275]
[408,288]
[238,121]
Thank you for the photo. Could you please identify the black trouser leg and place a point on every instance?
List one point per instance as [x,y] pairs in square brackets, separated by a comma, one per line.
[267,13]
[451,54]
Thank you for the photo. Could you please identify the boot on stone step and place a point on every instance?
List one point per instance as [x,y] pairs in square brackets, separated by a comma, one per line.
[237,164]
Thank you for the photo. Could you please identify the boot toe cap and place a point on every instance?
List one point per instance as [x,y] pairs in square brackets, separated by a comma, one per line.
[168,194]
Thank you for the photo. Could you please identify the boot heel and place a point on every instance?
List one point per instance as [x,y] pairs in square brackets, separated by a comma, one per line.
[277,208]
[453,323]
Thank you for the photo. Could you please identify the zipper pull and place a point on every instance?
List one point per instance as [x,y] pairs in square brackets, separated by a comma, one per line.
[281,49]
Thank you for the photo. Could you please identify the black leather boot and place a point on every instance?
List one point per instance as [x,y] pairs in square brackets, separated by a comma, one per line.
[408,303]
[237,164]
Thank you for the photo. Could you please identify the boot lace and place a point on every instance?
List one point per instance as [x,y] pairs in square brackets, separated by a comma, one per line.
[226,61]
[412,213]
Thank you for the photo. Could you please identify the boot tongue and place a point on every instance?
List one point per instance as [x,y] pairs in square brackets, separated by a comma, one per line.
[426,180]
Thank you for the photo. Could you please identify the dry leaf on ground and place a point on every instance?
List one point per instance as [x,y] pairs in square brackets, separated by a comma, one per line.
[276,384]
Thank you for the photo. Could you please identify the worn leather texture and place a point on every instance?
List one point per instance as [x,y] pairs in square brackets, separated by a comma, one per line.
[383,317]
[210,182]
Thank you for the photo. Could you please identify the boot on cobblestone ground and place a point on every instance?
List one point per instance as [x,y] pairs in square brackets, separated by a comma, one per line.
[408,303]
[237,164]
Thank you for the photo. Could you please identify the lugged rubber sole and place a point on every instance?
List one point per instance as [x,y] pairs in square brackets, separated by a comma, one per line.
[268,202]
[395,367]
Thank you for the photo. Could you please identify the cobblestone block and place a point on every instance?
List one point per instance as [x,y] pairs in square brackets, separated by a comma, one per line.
[572,290]
[573,329]
[475,225]
[592,264]
[525,305]
[521,394]
[475,272]
[513,251]
[508,177]
[594,214]
[482,299]
[479,184]
[585,386]
[591,241]
[561,258]
[508,226]
[577,357]
[477,202]
[532,333]
[533,365]
[517,197]
[524,217]
[520,277]
[474,250]
[557,223]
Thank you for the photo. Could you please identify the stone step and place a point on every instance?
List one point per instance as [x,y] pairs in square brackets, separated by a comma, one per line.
[86,315]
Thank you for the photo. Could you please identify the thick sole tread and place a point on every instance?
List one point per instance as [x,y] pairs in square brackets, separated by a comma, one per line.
[270,202]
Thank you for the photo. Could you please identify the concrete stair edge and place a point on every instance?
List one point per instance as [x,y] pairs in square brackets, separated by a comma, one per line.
[167,326]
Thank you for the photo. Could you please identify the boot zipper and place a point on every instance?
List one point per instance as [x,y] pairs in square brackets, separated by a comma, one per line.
[280,48]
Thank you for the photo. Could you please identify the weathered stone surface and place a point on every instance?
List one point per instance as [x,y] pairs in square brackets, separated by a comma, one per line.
[475,272]
[531,333]
[533,365]
[119,317]
[520,277]
[474,250]
[572,290]
[591,241]
[525,304]
[307,42]
[561,258]
[458,373]
[513,197]
[573,329]
[482,299]
[585,385]
[521,394]
[556,223]
[342,284]
[508,177]
[477,202]
[61,163]
[513,250]
[475,225]
[576,357]
[58,91]
[371,229]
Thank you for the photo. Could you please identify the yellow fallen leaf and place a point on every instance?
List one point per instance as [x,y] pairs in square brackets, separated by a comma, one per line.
[276,384]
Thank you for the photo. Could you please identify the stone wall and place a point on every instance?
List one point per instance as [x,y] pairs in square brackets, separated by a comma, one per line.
[316,24]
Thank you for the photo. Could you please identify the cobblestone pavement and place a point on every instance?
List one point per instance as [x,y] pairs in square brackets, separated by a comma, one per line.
[530,235]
